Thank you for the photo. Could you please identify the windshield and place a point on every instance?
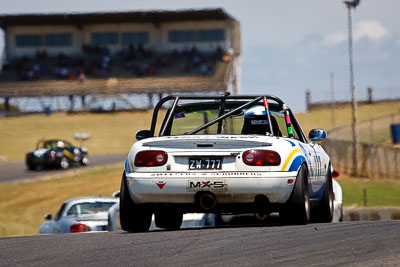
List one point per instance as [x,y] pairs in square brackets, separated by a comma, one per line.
[53,144]
[90,208]
[250,120]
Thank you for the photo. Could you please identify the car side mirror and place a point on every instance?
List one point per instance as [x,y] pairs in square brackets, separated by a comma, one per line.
[317,135]
[48,217]
[142,134]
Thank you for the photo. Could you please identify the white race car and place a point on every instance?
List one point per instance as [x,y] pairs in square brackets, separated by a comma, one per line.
[225,155]
[81,214]
[337,200]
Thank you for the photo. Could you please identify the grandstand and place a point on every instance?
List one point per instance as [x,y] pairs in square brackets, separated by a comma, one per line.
[118,54]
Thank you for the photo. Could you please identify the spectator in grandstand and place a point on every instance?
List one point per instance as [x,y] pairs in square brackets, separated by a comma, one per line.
[106,63]
[206,69]
[228,55]
[71,75]
[61,72]
[196,60]
[185,67]
[151,70]
[218,53]
[30,75]
[82,77]
[36,70]
[226,58]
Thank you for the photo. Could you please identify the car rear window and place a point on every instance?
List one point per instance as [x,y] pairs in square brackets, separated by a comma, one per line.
[90,208]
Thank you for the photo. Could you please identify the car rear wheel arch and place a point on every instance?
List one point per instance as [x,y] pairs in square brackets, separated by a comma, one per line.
[297,209]
[324,211]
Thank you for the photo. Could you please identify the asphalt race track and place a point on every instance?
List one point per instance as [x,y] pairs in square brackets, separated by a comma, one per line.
[335,244]
[16,171]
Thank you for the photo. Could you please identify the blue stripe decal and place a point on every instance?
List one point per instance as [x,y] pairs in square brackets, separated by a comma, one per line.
[297,163]
[293,144]
[127,167]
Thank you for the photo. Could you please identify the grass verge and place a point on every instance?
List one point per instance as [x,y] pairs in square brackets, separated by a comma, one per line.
[114,133]
[370,192]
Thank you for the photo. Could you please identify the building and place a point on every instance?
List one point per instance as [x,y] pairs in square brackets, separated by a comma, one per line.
[131,52]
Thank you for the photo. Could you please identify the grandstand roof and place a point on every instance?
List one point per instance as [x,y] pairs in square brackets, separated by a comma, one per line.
[155,16]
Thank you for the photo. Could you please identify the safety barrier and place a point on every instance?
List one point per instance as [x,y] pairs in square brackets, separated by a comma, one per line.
[375,161]
[371,214]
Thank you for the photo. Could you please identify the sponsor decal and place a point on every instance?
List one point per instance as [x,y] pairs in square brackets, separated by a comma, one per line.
[68,154]
[258,122]
[197,174]
[179,115]
[161,184]
[215,186]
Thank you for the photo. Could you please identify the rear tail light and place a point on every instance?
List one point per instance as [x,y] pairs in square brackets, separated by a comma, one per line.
[150,158]
[79,228]
[28,156]
[52,154]
[261,158]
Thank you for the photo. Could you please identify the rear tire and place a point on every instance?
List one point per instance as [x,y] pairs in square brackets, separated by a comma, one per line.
[31,167]
[168,218]
[324,212]
[133,217]
[297,208]
[341,213]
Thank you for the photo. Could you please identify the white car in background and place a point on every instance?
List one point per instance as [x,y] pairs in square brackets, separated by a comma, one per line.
[337,202]
[76,215]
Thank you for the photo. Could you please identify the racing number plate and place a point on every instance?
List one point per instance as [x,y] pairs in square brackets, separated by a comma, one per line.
[205,163]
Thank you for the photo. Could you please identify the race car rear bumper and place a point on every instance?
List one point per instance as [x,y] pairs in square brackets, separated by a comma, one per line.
[228,187]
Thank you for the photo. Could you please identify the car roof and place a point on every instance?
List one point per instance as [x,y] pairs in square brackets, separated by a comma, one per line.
[90,199]
[53,140]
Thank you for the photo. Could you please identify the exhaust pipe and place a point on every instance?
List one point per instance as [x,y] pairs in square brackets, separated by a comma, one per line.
[261,204]
[206,200]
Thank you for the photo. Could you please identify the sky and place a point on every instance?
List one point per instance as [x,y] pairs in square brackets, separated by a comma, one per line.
[288,46]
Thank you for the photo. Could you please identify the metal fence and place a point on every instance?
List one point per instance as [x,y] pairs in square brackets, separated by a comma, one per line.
[320,98]
[375,161]
[375,130]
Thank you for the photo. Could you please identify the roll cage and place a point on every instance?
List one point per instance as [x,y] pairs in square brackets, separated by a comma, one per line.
[221,102]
